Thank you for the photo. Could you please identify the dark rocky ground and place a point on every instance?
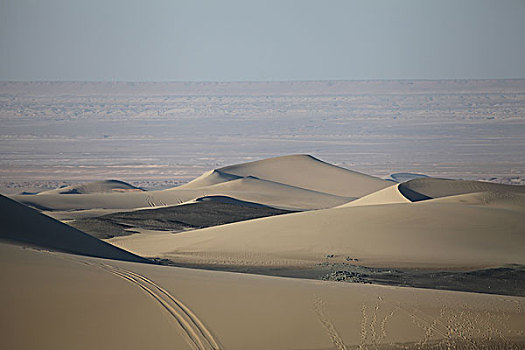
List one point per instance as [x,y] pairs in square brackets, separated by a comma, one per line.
[504,280]
[201,214]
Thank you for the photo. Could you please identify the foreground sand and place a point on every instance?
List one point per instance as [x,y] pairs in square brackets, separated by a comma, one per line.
[61,301]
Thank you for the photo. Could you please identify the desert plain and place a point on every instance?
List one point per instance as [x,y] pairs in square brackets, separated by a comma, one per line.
[274,240]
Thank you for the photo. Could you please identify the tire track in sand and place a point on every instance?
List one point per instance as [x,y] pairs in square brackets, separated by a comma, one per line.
[195,332]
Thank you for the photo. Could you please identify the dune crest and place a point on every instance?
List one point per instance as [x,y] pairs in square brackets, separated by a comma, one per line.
[310,173]
[28,227]
[389,195]
[297,182]
[212,177]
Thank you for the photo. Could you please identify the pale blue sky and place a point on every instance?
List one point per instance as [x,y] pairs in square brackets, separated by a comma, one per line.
[223,40]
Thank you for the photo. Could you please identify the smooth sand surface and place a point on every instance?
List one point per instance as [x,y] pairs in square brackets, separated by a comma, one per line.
[389,195]
[428,188]
[508,200]
[61,301]
[429,235]
[311,173]
[274,194]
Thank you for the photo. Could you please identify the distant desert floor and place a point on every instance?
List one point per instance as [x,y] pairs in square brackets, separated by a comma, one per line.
[288,252]
[160,135]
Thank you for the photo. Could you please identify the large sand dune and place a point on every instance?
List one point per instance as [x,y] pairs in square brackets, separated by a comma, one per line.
[246,189]
[274,194]
[61,301]
[311,173]
[26,226]
[308,193]
[395,235]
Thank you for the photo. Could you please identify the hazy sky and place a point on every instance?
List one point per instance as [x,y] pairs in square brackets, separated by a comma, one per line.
[223,40]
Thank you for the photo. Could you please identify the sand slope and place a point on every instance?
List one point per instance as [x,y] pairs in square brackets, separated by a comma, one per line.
[311,173]
[312,185]
[387,195]
[210,178]
[27,226]
[274,194]
[392,235]
[500,199]
[427,188]
[245,189]
[61,301]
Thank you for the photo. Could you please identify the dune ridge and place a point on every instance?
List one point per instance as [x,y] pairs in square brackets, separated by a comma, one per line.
[271,182]
[26,226]
[389,195]
[310,173]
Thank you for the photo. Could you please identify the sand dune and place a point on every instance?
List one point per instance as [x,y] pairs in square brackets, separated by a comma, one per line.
[387,195]
[312,177]
[246,189]
[507,200]
[95,187]
[26,226]
[210,178]
[138,306]
[392,235]
[274,194]
[310,173]
[427,188]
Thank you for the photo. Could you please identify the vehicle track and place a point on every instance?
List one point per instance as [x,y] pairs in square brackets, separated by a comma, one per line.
[195,332]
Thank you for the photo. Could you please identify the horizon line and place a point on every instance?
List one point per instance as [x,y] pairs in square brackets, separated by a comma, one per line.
[254,81]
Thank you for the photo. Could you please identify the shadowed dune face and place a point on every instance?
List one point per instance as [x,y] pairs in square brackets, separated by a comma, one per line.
[28,227]
[204,212]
